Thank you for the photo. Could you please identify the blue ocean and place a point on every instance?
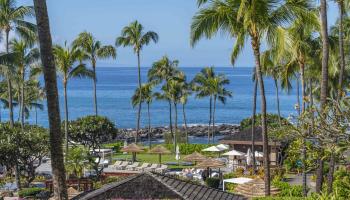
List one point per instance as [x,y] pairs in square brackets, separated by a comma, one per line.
[116,85]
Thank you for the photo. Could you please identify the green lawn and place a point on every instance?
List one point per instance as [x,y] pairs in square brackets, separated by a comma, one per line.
[151,158]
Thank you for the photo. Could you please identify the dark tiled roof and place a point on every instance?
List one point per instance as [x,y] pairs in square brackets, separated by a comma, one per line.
[166,188]
[245,135]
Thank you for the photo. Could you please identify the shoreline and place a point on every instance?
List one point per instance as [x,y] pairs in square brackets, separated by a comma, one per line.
[197,130]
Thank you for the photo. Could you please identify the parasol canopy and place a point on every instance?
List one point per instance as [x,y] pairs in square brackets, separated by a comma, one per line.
[213,149]
[159,149]
[223,146]
[234,153]
[132,148]
[211,163]
[195,157]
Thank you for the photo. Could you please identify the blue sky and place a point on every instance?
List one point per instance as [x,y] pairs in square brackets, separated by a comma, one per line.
[171,19]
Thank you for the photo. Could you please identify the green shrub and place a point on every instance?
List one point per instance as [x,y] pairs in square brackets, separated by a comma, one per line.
[213,182]
[341,184]
[239,171]
[288,190]
[116,146]
[29,192]
[230,175]
[230,187]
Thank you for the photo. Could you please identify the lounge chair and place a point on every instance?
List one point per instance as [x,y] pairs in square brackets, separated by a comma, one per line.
[122,165]
[133,166]
[117,163]
[162,169]
[143,166]
[151,168]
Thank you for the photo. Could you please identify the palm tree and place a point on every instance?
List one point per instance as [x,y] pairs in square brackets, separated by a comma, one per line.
[243,19]
[25,57]
[146,97]
[184,94]
[47,59]
[324,81]
[93,50]
[65,58]
[162,71]
[12,18]
[202,85]
[134,36]
[220,93]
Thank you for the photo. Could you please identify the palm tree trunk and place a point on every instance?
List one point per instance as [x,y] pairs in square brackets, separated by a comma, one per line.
[256,49]
[9,90]
[303,92]
[304,155]
[36,116]
[171,122]
[278,101]
[58,170]
[324,81]
[9,84]
[304,183]
[175,132]
[210,106]
[253,121]
[213,128]
[149,126]
[185,121]
[140,96]
[22,97]
[298,95]
[341,48]
[66,115]
[95,86]
[330,173]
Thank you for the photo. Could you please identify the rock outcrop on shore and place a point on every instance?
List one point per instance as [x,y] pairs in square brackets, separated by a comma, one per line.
[193,130]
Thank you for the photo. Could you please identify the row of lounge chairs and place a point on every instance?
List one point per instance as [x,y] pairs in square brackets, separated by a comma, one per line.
[145,167]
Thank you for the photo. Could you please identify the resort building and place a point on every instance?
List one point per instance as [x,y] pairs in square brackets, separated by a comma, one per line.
[150,185]
[242,141]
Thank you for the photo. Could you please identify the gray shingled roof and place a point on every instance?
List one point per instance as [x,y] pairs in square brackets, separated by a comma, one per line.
[157,186]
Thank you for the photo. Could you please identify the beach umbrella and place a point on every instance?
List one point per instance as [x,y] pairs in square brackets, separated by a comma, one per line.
[249,157]
[211,163]
[195,157]
[213,149]
[234,153]
[125,145]
[159,149]
[132,148]
[177,153]
[223,146]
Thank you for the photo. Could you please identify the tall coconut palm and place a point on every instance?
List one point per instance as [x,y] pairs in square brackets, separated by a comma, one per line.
[146,97]
[219,93]
[243,19]
[65,58]
[92,50]
[184,94]
[173,89]
[341,46]
[25,57]
[324,80]
[202,85]
[161,72]
[12,18]
[47,59]
[133,35]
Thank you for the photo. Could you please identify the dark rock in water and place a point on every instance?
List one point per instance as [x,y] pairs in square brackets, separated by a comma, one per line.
[196,130]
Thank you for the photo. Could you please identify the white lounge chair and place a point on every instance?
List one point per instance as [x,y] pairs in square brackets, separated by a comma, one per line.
[162,169]
[151,168]
[117,163]
[122,165]
[143,166]
[133,166]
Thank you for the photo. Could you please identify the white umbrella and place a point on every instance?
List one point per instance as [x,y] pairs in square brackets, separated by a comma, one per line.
[223,146]
[233,153]
[177,152]
[249,157]
[259,154]
[213,149]
[125,145]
